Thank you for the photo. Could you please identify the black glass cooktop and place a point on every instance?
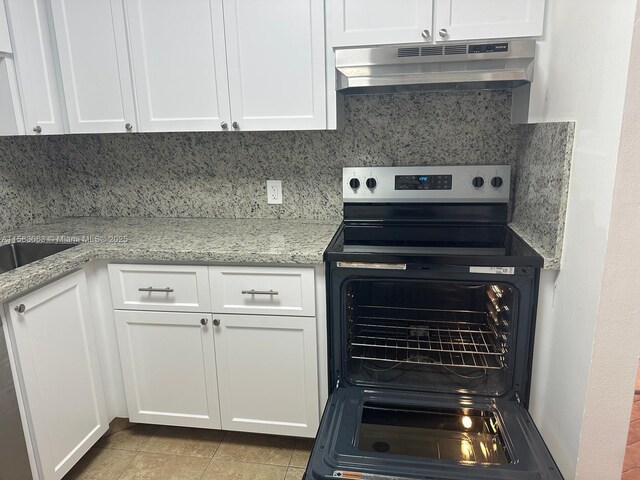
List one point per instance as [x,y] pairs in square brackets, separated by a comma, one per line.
[454,244]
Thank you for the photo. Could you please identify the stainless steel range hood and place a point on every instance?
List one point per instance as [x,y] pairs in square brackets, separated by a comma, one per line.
[478,65]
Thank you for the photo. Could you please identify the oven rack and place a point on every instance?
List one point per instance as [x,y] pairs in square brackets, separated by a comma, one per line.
[430,342]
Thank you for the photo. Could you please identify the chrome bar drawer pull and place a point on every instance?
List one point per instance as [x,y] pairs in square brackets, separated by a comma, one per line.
[259,292]
[159,290]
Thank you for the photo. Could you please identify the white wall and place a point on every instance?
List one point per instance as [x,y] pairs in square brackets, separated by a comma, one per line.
[617,340]
[581,75]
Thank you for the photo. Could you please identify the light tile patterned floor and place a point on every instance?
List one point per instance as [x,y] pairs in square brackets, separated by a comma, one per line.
[631,467]
[173,453]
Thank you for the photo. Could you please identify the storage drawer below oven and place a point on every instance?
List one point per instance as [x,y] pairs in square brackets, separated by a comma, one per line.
[263,290]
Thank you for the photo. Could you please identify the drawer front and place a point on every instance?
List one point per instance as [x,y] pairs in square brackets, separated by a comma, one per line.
[263,290]
[160,287]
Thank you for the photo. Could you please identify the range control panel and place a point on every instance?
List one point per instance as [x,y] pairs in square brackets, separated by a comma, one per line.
[423,182]
[455,184]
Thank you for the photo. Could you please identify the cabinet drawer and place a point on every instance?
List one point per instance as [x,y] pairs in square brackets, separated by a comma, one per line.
[160,287]
[256,290]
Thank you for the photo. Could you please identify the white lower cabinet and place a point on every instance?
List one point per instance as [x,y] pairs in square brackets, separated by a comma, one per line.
[56,355]
[252,366]
[267,374]
[168,364]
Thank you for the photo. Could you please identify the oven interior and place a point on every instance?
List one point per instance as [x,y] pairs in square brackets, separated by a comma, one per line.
[436,336]
[456,434]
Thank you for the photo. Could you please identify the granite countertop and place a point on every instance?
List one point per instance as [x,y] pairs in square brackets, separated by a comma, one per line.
[183,240]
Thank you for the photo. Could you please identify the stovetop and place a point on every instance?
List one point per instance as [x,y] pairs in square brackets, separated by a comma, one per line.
[468,245]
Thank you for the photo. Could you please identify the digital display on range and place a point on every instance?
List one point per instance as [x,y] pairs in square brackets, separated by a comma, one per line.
[423,182]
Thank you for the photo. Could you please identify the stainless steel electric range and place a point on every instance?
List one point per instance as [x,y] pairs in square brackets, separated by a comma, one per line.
[431,316]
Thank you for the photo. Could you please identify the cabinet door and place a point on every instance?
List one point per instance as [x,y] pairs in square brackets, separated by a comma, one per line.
[94,63]
[5,41]
[10,113]
[379,22]
[35,66]
[56,354]
[267,374]
[485,19]
[179,63]
[168,364]
[276,58]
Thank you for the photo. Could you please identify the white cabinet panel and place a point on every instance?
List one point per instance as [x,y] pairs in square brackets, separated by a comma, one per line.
[168,364]
[179,64]
[263,290]
[5,40]
[379,22]
[35,65]
[94,63]
[267,374]
[56,350]
[160,287]
[10,112]
[476,20]
[276,59]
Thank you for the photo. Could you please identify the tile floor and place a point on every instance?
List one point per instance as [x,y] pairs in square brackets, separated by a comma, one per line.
[173,453]
[631,466]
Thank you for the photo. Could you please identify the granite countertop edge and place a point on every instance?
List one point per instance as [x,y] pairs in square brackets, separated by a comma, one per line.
[287,242]
[551,260]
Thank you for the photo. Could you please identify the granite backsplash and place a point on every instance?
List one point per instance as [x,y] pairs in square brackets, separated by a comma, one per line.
[541,186]
[223,175]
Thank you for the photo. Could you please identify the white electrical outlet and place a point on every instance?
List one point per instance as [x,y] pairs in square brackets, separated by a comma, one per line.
[274,192]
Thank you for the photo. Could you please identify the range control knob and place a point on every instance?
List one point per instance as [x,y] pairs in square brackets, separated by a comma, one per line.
[496,182]
[354,183]
[371,183]
[477,182]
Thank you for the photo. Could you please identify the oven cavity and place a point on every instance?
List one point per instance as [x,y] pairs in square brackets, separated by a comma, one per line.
[466,435]
[436,336]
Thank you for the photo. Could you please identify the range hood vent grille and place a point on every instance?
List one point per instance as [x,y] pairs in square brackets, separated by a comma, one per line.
[406,52]
[456,49]
[430,51]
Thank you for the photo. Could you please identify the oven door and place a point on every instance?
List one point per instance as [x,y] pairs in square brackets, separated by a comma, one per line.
[379,434]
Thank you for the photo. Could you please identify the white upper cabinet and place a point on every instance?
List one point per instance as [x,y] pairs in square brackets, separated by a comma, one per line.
[11,122]
[35,65]
[375,22]
[60,375]
[383,22]
[179,64]
[276,59]
[94,64]
[486,19]
[5,41]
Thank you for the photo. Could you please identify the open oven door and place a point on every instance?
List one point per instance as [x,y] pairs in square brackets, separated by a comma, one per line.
[382,434]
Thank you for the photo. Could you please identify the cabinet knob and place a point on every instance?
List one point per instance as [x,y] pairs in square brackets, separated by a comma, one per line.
[426,34]
[37,129]
[20,308]
[444,33]
[216,322]
[204,321]
[224,125]
[235,125]
[129,127]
